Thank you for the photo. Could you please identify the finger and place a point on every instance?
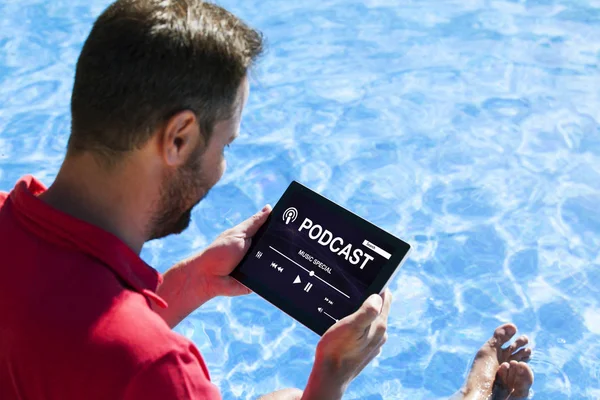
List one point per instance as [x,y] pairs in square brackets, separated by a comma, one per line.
[377,347]
[382,340]
[370,355]
[377,334]
[367,313]
[378,329]
[520,342]
[249,227]
[387,303]
[521,355]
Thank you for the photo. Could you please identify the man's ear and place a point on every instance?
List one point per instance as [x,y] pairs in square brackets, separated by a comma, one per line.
[180,136]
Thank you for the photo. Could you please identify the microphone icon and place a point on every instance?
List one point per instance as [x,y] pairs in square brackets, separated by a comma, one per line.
[290,215]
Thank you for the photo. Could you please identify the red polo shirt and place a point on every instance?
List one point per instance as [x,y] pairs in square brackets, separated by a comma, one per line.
[75,321]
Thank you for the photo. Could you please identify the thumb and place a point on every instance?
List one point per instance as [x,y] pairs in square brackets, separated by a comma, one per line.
[367,313]
[249,227]
[228,286]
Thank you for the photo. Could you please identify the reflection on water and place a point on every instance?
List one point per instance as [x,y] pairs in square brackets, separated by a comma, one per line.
[468,128]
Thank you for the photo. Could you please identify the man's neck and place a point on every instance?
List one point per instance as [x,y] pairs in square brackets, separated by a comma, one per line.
[115,200]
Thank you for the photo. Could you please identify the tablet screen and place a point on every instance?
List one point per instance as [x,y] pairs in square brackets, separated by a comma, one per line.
[317,261]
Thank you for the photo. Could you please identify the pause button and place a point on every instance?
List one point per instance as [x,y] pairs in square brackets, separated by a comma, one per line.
[308,286]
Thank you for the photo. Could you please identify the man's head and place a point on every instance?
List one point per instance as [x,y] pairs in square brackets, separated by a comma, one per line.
[170,75]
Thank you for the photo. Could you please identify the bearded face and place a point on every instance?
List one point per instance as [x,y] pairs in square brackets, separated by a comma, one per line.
[180,192]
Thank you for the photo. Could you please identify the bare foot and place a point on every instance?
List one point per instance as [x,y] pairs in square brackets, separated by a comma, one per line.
[515,379]
[480,382]
[285,394]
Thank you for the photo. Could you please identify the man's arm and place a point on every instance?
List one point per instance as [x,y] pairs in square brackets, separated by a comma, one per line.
[344,351]
[193,282]
[175,375]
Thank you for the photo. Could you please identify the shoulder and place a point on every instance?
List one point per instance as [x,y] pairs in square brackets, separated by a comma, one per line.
[3,199]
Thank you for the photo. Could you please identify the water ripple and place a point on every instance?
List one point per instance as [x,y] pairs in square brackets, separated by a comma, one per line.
[468,128]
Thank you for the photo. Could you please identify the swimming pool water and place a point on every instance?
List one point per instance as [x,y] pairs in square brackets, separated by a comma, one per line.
[469,128]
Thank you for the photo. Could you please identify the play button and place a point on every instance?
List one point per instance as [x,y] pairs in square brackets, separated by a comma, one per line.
[297,280]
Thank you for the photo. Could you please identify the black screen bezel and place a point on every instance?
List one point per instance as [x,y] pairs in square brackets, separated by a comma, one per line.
[399,253]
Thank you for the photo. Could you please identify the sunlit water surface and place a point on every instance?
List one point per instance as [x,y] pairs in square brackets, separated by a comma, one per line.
[469,128]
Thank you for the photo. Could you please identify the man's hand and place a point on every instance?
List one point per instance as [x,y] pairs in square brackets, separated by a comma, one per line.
[194,281]
[344,351]
[348,347]
[216,262]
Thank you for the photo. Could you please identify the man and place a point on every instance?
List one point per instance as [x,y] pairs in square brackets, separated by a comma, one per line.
[159,91]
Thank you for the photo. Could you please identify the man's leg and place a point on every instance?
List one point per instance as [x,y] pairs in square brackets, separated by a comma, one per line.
[495,371]
[504,368]
[285,394]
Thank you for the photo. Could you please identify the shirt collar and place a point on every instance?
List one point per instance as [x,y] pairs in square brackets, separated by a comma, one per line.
[60,228]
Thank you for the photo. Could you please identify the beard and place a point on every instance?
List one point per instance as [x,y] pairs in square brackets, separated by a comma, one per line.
[180,193]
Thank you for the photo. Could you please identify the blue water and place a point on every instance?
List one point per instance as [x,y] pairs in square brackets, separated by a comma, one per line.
[470,128]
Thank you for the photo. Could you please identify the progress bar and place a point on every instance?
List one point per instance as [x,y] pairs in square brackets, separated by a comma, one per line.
[322,280]
[330,316]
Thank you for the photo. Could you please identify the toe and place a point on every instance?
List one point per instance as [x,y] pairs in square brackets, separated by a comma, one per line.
[523,380]
[503,373]
[520,342]
[502,334]
[512,374]
[525,373]
[521,355]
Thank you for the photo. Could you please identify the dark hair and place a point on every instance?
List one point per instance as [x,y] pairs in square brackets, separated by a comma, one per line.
[146,60]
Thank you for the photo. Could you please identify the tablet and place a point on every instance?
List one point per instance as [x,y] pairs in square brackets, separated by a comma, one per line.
[317,261]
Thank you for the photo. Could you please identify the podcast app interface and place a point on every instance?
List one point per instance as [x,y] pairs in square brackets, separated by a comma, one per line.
[314,257]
